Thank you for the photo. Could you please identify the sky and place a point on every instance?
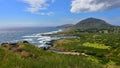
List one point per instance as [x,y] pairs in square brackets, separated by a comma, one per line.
[39,13]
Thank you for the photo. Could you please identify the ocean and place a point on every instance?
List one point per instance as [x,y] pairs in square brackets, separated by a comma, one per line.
[32,35]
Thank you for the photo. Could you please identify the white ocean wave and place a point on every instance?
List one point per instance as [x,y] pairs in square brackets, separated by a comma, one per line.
[28,39]
[28,36]
[40,40]
[32,36]
[42,45]
[44,38]
[53,32]
[14,41]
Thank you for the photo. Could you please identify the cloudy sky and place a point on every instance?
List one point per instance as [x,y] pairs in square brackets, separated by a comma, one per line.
[30,13]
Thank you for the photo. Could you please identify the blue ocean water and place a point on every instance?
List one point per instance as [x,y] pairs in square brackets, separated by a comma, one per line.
[33,35]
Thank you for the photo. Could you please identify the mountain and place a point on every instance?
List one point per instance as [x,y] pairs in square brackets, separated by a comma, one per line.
[65,26]
[92,23]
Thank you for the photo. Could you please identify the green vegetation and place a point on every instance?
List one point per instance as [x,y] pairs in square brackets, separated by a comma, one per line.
[91,24]
[97,45]
[65,26]
[96,38]
[101,48]
[25,55]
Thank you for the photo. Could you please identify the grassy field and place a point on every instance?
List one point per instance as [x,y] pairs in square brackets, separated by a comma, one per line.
[103,51]
[25,55]
[101,48]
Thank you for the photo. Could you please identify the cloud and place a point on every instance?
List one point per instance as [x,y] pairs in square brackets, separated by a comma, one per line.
[79,6]
[37,5]
[45,13]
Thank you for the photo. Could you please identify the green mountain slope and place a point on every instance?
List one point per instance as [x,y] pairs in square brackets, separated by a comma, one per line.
[92,23]
[65,26]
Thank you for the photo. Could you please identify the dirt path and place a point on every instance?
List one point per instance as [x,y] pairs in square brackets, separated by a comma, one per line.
[70,53]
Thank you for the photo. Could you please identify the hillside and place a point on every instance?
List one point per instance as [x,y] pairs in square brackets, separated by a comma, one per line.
[26,55]
[65,26]
[92,23]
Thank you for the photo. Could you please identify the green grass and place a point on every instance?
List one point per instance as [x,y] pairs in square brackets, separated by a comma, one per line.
[103,51]
[75,45]
[105,48]
[96,45]
[11,58]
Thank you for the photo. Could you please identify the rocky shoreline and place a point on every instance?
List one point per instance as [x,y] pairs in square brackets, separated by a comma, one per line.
[49,44]
[46,40]
[18,47]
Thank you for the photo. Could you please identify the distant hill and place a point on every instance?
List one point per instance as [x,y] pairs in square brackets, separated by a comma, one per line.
[66,26]
[92,23]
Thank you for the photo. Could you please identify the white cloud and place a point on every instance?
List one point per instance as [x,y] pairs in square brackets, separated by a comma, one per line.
[93,5]
[45,13]
[50,13]
[37,5]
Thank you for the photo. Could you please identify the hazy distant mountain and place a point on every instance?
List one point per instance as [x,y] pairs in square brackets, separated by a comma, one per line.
[66,26]
[92,23]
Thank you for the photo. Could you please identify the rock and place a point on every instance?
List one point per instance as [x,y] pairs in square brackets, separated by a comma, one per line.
[4,43]
[25,42]
[46,47]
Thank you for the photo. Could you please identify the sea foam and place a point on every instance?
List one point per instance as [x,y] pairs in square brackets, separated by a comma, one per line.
[39,39]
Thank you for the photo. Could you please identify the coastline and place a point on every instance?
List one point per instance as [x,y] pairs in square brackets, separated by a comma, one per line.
[46,39]
[39,38]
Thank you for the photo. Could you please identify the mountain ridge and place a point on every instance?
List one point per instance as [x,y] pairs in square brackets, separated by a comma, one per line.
[92,23]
